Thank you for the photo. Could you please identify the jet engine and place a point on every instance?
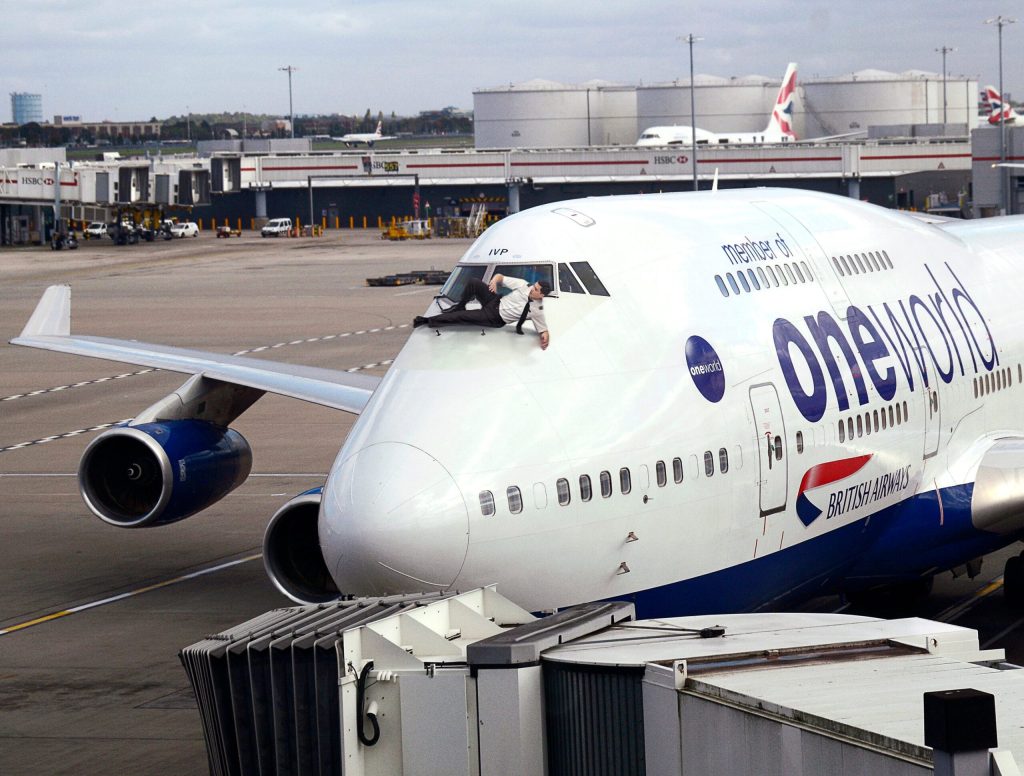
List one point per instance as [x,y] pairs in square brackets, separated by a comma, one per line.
[158,473]
[291,552]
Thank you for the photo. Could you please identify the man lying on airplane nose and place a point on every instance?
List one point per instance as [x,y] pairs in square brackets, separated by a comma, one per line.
[525,301]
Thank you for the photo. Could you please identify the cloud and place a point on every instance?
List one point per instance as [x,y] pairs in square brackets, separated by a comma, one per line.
[103,60]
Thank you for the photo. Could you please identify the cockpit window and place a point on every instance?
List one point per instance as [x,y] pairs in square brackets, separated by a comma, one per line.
[460,276]
[568,282]
[586,273]
[531,273]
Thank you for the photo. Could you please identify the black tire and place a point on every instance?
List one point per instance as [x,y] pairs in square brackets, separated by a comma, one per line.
[1013,582]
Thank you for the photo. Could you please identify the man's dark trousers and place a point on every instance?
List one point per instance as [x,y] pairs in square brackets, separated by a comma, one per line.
[487,315]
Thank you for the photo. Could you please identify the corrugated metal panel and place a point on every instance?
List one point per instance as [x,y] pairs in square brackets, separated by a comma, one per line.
[267,690]
[594,720]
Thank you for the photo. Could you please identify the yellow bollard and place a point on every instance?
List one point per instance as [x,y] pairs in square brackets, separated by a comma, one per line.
[337,222]
[199,223]
[323,222]
[351,222]
[239,226]
[213,224]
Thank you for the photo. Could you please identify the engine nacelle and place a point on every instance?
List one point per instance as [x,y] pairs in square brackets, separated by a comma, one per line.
[162,472]
[291,552]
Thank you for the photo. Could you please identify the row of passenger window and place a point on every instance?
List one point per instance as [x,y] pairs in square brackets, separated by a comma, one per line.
[995,381]
[874,421]
[768,276]
[514,496]
[858,263]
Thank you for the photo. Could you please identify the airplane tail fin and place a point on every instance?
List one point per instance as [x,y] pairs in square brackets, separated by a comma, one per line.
[993,103]
[781,121]
[378,132]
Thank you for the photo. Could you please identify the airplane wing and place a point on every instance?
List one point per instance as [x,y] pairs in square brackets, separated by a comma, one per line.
[49,328]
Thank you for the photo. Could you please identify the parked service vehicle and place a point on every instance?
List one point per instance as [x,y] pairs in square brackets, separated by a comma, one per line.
[276,227]
[185,229]
[123,233]
[60,240]
[96,229]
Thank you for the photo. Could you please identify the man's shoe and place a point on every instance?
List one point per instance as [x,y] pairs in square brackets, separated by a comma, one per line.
[418,321]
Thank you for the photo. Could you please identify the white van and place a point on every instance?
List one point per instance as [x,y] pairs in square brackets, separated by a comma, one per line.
[185,229]
[96,229]
[276,227]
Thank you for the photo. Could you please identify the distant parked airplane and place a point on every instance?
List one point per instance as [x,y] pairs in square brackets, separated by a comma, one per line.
[779,129]
[993,103]
[369,138]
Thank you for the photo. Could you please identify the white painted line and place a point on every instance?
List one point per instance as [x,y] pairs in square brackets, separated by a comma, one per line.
[129,594]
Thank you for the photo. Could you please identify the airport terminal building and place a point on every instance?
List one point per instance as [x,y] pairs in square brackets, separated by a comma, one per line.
[882,138]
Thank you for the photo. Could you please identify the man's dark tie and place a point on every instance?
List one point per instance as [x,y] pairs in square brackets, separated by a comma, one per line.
[522,317]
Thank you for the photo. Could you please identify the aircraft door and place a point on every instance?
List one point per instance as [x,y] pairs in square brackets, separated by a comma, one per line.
[815,254]
[932,415]
[771,445]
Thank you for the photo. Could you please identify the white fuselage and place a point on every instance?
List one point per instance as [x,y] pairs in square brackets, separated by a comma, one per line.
[683,136]
[460,414]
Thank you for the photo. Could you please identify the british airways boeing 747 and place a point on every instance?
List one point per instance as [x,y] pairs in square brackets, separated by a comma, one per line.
[750,397]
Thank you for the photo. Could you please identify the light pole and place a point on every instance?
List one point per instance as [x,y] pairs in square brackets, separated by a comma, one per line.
[291,113]
[1000,22]
[188,123]
[691,39]
[944,50]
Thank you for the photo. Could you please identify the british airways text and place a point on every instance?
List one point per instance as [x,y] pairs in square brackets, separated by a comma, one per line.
[944,327]
[868,492]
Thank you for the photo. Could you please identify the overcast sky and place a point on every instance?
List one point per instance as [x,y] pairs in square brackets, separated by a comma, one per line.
[129,61]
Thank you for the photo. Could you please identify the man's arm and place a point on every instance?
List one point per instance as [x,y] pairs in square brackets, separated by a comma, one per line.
[495,279]
[544,339]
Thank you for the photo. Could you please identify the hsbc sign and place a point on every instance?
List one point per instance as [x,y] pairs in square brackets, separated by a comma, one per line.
[36,180]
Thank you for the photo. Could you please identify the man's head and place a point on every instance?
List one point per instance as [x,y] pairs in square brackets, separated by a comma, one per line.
[540,289]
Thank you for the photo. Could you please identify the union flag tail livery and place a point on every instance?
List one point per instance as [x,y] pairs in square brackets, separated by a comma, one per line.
[994,105]
[781,121]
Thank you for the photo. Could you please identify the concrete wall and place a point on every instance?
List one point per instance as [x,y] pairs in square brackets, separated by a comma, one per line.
[558,117]
[986,186]
[834,106]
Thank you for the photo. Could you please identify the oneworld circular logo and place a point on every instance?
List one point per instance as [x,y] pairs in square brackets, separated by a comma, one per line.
[705,368]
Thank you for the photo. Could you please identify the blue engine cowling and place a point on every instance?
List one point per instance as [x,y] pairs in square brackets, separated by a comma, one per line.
[158,473]
[291,552]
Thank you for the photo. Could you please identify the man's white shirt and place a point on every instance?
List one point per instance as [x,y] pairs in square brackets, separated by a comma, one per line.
[512,304]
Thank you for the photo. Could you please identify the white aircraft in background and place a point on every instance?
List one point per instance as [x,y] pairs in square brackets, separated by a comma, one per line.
[750,397]
[779,129]
[992,103]
[369,138]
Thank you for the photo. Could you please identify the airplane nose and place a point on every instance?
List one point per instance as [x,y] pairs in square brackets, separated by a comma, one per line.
[392,521]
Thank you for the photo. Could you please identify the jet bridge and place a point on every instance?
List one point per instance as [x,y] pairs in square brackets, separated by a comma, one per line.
[470,684]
